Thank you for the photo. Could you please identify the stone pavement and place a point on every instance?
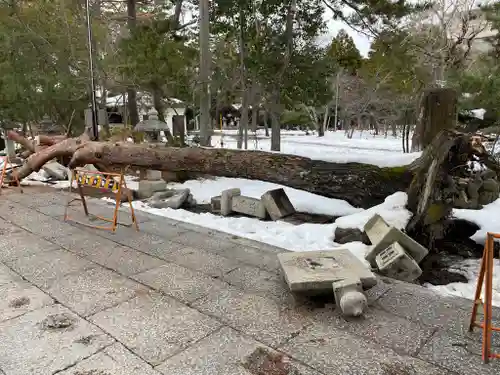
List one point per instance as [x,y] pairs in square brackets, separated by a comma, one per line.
[177,299]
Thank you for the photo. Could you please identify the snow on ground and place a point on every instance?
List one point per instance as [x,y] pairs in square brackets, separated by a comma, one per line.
[303,201]
[363,147]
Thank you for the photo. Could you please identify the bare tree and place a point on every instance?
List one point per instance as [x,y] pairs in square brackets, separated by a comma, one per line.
[445,35]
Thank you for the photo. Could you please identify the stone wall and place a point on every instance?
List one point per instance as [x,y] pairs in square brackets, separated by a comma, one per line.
[481,189]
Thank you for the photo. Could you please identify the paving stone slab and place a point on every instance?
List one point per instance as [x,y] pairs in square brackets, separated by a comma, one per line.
[335,352]
[7,228]
[179,282]
[124,260]
[55,211]
[254,280]
[163,229]
[94,290]
[232,250]
[154,326]
[423,305]
[20,244]
[8,276]
[39,199]
[29,344]
[457,354]
[401,335]
[263,318]
[221,353]
[45,268]
[84,243]
[201,260]
[113,360]
[20,297]
[142,241]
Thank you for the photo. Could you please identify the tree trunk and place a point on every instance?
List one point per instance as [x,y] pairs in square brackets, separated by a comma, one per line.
[275,130]
[360,184]
[133,113]
[326,117]
[437,112]
[266,122]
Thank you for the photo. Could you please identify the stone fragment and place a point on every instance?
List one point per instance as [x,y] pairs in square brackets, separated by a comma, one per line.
[174,202]
[226,200]
[395,262]
[473,189]
[277,204]
[349,296]
[190,201]
[382,235]
[56,170]
[249,206]
[316,270]
[487,197]
[153,175]
[490,185]
[158,196]
[487,174]
[346,235]
[147,188]
[215,204]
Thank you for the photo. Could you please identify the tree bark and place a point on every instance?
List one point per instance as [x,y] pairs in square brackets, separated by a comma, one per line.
[133,113]
[360,184]
[437,112]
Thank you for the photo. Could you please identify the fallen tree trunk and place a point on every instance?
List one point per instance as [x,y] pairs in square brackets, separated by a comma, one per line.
[361,185]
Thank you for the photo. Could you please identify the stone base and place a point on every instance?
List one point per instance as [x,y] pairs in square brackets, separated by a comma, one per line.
[226,202]
[317,270]
[249,206]
[395,262]
[277,204]
[148,188]
[382,236]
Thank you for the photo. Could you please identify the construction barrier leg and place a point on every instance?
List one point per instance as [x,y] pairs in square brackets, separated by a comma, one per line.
[485,279]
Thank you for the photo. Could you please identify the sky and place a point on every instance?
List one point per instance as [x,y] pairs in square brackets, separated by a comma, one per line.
[361,41]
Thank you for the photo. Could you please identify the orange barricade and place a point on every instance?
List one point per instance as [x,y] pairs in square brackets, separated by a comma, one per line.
[105,181]
[6,162]
[486,278]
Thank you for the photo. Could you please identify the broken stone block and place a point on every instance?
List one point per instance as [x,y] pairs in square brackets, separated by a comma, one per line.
[490,185]
[396,263]
[487,197]
[153,175]
[190,201]
[349,296]
[227,199]
[315,271]
[277,204]
[249,206]
[473,189]
[215,204]
[175,202]
[382,235]
[56,170]
[147,188]
[346,235]
[160,195]
[10,148]
[487,174]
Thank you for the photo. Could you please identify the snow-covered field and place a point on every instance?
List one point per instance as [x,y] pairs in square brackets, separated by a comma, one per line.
[363,147]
